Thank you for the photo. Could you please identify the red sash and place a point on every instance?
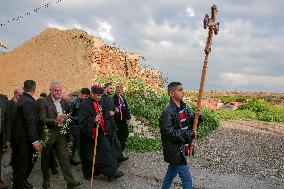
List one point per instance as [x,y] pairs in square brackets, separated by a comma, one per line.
[101,121]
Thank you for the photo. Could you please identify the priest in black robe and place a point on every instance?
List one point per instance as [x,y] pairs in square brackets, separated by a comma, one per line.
[121,116]
[90,117]
[109,110]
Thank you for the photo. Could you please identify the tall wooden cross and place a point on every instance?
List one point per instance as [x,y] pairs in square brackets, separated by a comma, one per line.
[213,26]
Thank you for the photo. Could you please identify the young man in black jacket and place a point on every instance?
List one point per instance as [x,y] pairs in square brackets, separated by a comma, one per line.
[175,126]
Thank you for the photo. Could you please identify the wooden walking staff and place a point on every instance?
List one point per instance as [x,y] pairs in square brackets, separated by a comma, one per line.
[94,157]
[213,26]
[95,150]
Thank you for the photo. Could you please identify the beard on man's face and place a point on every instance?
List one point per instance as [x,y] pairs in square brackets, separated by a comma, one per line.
[109,92]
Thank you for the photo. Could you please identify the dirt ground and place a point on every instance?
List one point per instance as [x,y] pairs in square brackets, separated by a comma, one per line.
[240,154]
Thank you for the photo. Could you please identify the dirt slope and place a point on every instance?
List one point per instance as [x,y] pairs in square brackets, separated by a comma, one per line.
[70,56]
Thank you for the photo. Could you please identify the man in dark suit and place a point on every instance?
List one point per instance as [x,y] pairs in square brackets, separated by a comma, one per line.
[24,136]
[53,112]
[3,104]
[109,110]
[10,113]
[52,163]
[121,116]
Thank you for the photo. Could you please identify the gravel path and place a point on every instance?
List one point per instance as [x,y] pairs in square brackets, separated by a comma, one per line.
[248,148]
[240,154]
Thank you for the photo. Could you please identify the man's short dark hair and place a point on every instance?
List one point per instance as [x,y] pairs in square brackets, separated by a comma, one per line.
[85,91]
[43,95]
[172,86]
[108,84]
[29,85]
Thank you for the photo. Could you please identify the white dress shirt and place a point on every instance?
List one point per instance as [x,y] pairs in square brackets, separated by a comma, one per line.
[58,106]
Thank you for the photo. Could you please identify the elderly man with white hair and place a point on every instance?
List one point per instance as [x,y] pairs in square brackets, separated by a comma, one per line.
[52,112]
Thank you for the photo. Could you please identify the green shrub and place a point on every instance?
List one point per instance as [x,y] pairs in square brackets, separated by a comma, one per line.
[264,111]
[211,121]
[226,115]
[147,105]
[274,114]
[141,144]
[256,105]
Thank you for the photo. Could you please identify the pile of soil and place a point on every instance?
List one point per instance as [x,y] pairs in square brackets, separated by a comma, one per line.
[71,56]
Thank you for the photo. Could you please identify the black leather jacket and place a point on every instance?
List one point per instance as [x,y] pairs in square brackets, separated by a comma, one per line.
[173,137]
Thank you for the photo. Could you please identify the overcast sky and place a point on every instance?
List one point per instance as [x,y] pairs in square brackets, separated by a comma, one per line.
[247,54]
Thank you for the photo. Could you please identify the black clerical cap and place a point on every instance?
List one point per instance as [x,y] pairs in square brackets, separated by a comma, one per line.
[97,89]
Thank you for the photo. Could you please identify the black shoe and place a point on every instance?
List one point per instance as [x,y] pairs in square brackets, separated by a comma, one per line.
[54,170]
[73,185]
[74,162]
[116,176]
[97,173]
[5,148]
[122,159]
[3,185]
[45,185]
[27,184]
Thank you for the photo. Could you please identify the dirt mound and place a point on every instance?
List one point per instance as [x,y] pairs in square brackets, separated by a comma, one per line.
[72,57]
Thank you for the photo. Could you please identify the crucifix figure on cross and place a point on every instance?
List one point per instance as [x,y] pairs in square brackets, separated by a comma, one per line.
[213,26]
[2,45]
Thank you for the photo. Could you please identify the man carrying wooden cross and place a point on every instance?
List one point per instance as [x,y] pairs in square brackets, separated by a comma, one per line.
[178,124]
[176,133]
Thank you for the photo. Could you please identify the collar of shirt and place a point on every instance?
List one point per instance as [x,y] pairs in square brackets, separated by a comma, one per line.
[54,100]
[58,105]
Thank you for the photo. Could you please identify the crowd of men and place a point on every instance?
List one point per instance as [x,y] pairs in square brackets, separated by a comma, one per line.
[96,114]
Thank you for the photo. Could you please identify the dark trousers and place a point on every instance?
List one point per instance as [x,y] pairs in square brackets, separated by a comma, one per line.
[61,151]
[75,146]
[1,151]
[5,140]
[52,160]
[86,167]
[22,162]
[122,133]
[76,141]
